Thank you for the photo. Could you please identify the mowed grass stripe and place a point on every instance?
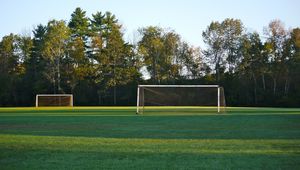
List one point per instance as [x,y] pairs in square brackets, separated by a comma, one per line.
[149,111]
[94,144]
[280,126]
[51,152]
[116,138]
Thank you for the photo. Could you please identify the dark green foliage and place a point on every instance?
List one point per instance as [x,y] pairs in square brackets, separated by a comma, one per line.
[89,57]
[79,23]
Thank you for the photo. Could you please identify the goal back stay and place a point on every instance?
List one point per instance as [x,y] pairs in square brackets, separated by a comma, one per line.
[54,100]
[178,97]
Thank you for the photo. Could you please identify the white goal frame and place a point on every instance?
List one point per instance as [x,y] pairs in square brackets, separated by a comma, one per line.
[55,95]
[181,86]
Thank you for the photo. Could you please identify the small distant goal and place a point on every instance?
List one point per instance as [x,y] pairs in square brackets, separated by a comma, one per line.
[45,100]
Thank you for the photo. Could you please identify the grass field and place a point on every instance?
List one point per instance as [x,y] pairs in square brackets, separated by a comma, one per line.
[117,138]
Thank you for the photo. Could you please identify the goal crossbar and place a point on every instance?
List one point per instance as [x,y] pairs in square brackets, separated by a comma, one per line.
[178,86]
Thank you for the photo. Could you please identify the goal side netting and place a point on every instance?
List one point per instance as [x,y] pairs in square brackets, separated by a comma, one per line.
[44,100]
[184,98]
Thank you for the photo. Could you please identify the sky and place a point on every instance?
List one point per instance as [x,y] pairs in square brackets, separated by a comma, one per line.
[189,18]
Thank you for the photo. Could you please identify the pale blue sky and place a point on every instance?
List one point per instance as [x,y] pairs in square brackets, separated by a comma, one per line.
[187,17]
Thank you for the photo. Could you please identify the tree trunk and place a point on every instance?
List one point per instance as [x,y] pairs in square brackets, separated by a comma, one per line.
[274,86]
[115,95]
[53,80]
[154,68]
[58,77]
[218,75]
[286,86]
[218,69]
[255,90]
[115,84]
[99,97]
[263,81]
[72,85]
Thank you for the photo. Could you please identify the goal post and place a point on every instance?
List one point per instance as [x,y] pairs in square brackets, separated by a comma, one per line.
[181,97]
[45,100]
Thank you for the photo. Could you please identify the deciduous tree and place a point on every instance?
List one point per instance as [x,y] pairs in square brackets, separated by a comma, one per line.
[54,51]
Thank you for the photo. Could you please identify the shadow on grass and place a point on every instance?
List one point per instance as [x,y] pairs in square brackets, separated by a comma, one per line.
[158,127]
[66,159]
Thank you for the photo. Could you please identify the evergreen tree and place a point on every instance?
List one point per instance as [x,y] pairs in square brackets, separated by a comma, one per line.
[79,24]
[10,71]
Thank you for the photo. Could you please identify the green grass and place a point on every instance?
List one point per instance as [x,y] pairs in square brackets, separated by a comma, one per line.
[162,138]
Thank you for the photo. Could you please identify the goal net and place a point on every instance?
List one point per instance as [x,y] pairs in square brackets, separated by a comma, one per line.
[183,98]
[54,100]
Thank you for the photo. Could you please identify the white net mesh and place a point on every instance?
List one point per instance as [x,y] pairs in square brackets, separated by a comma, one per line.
[181,98]
[54,100]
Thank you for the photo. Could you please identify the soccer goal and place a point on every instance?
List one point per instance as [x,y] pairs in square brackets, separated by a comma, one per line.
[184,98]
[54,100]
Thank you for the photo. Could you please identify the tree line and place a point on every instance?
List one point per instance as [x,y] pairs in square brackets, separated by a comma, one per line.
[89,58]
